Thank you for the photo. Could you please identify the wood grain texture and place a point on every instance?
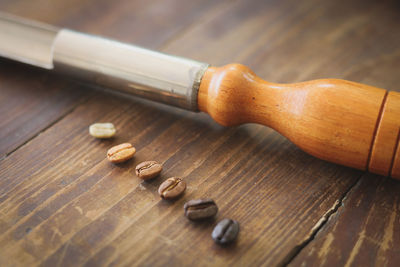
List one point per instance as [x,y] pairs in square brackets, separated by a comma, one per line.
[30,101]
[73,204]
[62,202]
[364,232]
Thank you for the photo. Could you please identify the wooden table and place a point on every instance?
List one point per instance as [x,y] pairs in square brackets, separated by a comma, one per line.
[63,203]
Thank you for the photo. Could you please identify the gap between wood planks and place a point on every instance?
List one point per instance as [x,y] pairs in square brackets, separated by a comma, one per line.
[320,224]
[213,13]
[69,111]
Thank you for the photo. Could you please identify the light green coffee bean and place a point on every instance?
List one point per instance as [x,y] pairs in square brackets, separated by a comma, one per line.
[102,130]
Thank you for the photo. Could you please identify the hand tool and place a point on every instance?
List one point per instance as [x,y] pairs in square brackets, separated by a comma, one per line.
[344,122]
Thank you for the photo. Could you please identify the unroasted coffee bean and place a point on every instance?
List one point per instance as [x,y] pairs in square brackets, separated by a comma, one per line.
[225,231]
[148,169]
[172,188]
[198,209]
[121,153]
[102,130]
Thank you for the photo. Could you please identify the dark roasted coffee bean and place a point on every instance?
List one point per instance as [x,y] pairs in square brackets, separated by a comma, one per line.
[148,169]
[198,209]
[172,188]
[225,231]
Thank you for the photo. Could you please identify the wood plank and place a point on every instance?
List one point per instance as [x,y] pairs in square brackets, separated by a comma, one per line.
[62,203]
[365,231]
[342,39]
[30,101]
[59,204]
[145,23]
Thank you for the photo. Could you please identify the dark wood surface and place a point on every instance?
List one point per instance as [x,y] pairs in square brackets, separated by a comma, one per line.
[62,202]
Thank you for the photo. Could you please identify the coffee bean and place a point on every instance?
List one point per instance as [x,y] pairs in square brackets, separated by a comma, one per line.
[198,209]
[172,188]
[225,231]
[102,130]
[148,169]
[121,153]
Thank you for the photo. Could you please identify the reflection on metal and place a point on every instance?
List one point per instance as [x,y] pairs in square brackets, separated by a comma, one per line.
[26,41]
[127,68]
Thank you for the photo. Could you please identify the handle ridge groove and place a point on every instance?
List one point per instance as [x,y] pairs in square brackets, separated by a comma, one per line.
[396,158]
[378,123]
[384,159]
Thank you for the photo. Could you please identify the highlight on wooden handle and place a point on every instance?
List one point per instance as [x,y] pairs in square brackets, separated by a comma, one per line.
[344,122]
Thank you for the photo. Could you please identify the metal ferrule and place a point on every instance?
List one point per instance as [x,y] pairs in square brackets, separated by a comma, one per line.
[130,69]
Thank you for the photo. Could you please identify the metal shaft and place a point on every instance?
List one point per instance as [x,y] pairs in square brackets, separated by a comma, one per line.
[127,68]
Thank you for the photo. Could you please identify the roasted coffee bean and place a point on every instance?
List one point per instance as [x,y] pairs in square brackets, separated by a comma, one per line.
[225,232]
[198,209]
[121,153]
[172,188]
[148,169]
[102,130]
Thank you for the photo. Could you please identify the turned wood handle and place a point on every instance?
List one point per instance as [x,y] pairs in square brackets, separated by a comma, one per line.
[344,122]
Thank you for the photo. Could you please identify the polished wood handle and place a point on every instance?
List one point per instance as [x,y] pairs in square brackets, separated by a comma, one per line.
[344,122]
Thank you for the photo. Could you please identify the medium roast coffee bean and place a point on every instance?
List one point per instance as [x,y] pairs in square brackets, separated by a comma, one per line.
[121,153]
[198,209]
[225,231]
[172,188]
[102,130]
[148,169]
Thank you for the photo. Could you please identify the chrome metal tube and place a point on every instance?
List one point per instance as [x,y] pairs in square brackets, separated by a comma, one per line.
[168,79]
[27,41]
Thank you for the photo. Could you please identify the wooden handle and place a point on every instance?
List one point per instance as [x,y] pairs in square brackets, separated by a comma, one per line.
[344,122]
